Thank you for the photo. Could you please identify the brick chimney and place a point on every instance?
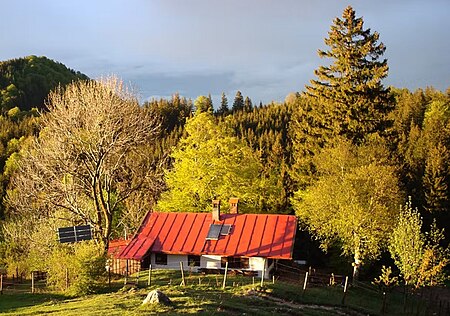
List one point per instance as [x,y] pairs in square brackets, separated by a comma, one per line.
[234,205]
[216,210]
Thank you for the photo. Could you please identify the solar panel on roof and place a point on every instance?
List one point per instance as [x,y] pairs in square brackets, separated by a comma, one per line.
[214,231]
[225,230]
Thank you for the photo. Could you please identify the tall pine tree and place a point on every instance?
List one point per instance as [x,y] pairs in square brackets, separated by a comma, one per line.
[248,105]
[351,99]
[223,109]
[238,104]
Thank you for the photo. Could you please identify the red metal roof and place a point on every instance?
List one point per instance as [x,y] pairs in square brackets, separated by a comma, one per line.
[252,235]
[116,246]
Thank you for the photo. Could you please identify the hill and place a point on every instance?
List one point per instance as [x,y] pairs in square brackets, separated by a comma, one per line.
[26,82]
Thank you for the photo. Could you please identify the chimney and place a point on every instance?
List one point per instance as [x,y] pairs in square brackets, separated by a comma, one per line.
[234,205]
[216,210]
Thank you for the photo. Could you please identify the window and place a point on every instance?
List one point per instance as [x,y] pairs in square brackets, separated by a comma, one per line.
[161,258]
[235,262]
[193,261]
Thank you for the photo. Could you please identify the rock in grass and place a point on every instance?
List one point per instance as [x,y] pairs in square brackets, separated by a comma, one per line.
[157,297]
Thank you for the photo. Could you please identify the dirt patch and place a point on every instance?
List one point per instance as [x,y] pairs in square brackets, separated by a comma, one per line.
[333,310]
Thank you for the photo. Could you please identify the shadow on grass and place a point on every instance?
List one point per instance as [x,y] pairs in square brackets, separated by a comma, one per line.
[10,302]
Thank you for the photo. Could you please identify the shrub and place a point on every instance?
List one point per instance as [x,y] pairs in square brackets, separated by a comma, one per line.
[81,266]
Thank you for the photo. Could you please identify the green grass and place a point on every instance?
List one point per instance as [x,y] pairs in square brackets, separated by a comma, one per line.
[205,296]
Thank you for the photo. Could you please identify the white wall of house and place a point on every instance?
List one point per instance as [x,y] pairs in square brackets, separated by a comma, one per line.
[258,264]
[173,262]
[209,262]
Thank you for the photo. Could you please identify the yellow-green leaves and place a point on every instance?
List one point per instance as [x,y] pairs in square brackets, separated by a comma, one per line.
[211,164]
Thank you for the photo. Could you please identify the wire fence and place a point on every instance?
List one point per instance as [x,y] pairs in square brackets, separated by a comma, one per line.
[307,283]
[424,301]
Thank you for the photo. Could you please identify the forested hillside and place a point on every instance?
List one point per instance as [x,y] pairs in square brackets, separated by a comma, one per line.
[356,161]
[26,82]
[24,85]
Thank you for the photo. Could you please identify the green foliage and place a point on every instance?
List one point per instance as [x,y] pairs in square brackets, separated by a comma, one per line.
[346,100]
[350,99]
[407,243]
[420,258]
[386,281]
[435,179]
[203,104]
[83,263]
[248,105]
[211,164]
[265,129]
[421,145]
[434,260]
[26,82]
[238,104]
[223,109]
[89,156]
[353,200]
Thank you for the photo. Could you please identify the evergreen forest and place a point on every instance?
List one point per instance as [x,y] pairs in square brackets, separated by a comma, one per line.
[364,166]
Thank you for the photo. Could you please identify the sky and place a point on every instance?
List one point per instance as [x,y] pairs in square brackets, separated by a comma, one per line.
[264,48]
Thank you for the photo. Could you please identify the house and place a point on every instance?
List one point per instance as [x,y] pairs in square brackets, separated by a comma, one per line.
[117,265]
[206,241]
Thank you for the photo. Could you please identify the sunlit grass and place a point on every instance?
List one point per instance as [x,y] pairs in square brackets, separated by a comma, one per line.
[202,294]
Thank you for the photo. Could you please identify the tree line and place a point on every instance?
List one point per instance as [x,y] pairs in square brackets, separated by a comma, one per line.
[356,161]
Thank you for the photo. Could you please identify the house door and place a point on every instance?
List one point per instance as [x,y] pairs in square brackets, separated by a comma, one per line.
[145,262]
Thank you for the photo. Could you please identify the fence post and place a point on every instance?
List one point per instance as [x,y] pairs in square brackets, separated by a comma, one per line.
[67,279]
[138,274]
[345,290]
[32,281]
[109,276]
[225,275]
[126,273]
[183,281]
[305,283]
[262,273]
[149,283]
[1,283]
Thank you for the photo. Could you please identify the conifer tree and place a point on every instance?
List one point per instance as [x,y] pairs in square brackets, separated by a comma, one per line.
[223,109]
[351,99]
[435,180]
[203,104]
[248,106]
[238,104]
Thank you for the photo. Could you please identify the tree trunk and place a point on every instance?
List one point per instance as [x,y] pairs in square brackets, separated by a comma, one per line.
[356,265]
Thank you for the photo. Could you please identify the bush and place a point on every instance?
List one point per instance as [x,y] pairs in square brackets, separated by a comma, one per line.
[81,265]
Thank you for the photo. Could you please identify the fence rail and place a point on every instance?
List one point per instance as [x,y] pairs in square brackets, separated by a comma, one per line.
[417,302]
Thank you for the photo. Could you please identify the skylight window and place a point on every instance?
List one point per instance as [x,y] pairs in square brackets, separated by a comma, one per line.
[217,230]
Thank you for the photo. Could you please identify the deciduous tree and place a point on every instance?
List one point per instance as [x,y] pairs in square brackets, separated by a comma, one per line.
[211,164]
[406,243]
[87,159]
[353,201]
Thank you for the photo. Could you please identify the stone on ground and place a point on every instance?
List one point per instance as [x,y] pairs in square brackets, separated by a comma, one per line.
[157,297]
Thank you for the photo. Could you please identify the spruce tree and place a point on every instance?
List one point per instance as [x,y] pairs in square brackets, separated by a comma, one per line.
[248,106]
[238,104]
[223,109]
[351,99]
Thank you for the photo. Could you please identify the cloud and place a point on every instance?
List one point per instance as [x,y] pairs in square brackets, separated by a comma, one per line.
[264,48]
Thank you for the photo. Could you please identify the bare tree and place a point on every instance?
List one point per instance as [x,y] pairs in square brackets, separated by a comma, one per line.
[89,157]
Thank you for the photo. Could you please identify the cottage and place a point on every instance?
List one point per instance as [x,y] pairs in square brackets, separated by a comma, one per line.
[204,241]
